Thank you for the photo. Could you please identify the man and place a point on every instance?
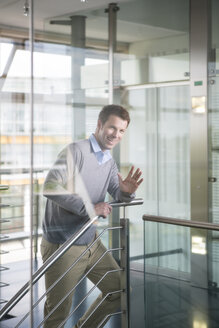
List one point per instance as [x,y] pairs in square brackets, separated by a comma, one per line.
[76,188]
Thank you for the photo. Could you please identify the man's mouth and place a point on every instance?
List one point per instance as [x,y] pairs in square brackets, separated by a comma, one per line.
[110,140]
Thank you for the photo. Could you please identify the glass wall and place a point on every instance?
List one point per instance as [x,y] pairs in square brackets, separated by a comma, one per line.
[70,86]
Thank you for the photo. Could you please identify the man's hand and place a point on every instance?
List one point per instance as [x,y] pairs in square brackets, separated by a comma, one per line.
[103,209]
[131,183]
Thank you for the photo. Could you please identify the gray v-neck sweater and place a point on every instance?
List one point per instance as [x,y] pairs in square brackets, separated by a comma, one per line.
[74,184]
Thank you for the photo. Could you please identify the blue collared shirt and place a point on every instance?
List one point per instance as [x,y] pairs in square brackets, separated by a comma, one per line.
[102,156]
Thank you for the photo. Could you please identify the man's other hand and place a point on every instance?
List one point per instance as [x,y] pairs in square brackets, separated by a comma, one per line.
[103,209]
[131,183]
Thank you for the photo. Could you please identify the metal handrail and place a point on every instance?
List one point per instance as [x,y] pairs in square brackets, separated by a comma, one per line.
[135,201]
[55,256]
[180,222]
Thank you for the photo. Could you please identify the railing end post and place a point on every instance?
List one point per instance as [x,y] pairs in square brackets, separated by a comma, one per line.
[125,274]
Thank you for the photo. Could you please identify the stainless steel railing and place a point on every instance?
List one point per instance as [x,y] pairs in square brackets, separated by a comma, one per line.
[180,222]
[55,256]
[74,287]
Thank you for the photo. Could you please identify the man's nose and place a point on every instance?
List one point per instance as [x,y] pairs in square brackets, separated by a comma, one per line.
[115,134]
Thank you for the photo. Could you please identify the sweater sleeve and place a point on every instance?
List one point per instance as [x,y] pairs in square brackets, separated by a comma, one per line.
[60,182]
[114,189]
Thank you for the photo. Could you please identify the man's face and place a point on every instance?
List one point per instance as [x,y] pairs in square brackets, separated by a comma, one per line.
[111,132]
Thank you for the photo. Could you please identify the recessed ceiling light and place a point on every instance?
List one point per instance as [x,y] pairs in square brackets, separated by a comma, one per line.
[26,8]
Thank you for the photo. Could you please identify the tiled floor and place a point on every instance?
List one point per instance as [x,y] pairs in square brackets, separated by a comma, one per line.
[172,303]
[167,303]
[18,275]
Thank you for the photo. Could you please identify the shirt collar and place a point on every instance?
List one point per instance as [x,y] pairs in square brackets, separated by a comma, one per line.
[102,156]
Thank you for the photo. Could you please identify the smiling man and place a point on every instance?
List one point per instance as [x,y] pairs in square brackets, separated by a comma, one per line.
[85,167]
[110,130]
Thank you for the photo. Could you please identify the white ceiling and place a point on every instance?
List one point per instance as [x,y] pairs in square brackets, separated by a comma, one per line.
[11,11]
[137,19]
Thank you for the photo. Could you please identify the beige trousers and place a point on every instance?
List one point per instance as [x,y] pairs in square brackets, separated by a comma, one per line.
[111,282]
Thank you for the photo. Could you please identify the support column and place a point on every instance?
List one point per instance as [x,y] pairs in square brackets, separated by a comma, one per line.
[114,98]
[112,32]
[199,60]
[78,35]
[78,60]
[114,67]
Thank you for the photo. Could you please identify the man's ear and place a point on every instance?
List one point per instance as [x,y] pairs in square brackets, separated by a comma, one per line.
[99,124]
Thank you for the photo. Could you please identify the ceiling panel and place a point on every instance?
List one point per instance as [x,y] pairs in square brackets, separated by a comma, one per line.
[137,19]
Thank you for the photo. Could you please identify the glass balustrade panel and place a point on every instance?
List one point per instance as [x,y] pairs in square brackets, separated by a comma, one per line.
[175,300]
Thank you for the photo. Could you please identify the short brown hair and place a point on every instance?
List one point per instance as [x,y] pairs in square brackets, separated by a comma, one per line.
[114,110]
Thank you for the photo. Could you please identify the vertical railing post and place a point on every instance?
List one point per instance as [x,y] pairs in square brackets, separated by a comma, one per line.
[125,276]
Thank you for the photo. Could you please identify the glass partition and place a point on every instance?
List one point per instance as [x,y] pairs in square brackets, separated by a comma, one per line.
[160,147]
[174,301]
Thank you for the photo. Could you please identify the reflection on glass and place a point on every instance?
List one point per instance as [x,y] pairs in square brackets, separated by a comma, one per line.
[199,245]
[198,105]
[199,323]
